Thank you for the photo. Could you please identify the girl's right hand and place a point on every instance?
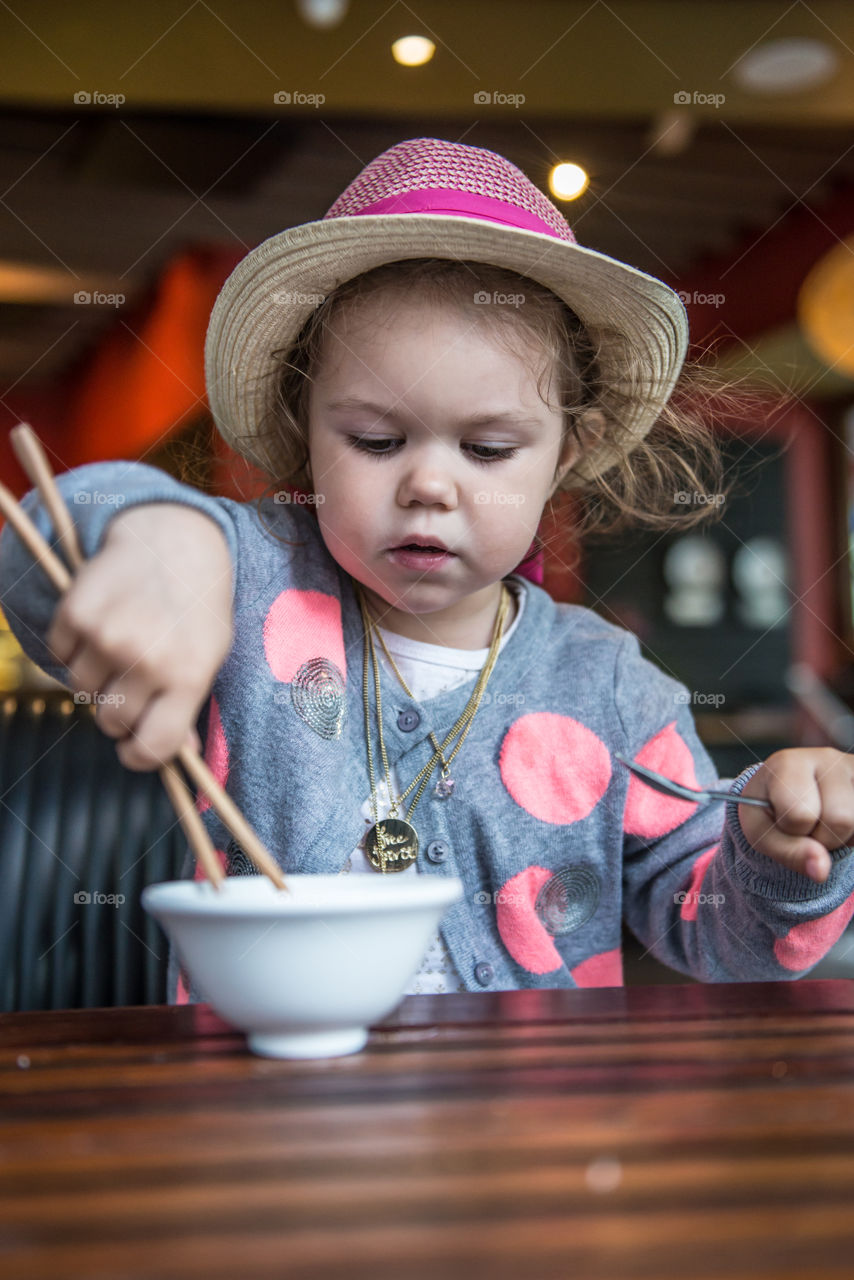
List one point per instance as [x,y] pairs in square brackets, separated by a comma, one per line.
[145,626]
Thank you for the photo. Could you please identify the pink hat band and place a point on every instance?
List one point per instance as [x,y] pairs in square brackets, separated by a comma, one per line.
[464,204]
[429,176]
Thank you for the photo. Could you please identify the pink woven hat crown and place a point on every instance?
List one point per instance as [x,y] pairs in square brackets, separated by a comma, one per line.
[430,176]
[426,198]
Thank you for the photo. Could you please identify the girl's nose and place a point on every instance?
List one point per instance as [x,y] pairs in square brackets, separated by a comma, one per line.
[428,478]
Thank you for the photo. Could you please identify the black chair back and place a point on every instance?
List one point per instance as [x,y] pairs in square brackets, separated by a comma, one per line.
[80,837]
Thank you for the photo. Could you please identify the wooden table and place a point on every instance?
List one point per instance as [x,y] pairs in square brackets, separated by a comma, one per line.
[674,1131]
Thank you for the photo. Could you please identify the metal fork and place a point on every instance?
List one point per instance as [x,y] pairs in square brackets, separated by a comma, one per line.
[671,788]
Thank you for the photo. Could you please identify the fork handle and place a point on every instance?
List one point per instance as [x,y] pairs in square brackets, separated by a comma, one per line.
[725,795]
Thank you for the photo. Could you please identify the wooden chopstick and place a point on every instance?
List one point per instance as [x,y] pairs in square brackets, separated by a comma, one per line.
[190,819]
[33,541]
[232,817]
[32,457]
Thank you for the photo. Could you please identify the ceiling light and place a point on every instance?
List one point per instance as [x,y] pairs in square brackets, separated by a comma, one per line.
[322,13]
[786,66]
[413,51]
[568,181]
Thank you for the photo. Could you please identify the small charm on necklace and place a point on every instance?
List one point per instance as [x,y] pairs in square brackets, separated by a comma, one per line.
[444,787]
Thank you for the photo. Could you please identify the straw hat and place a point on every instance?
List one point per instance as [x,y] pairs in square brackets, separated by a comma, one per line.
[429,198]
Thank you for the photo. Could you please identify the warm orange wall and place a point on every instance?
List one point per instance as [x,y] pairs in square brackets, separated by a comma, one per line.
[142,385]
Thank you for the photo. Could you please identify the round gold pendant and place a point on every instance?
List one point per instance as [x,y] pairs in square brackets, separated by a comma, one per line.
[391,845]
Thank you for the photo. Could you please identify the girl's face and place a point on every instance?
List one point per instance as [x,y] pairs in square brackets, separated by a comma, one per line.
[422,429]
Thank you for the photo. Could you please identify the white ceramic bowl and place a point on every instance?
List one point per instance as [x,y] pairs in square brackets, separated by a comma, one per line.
[305,972]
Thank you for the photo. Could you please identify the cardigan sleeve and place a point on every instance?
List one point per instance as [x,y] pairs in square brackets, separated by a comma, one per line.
[696,894]
[94,494]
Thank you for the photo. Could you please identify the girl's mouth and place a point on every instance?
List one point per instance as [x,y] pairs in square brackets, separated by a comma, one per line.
[413,556]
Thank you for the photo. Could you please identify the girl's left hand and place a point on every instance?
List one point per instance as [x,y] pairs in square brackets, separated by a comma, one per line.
[812,793]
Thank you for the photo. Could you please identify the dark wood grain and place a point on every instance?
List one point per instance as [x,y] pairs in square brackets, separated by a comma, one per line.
[671,1131]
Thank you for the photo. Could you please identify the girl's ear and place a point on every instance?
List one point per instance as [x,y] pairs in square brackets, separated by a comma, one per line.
[587,431]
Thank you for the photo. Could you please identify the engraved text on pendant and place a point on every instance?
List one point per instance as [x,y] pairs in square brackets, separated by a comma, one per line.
[391,845]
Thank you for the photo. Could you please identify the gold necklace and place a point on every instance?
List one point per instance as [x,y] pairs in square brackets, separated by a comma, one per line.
[391,844]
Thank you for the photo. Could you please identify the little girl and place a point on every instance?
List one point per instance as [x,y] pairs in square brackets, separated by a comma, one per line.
[380,692]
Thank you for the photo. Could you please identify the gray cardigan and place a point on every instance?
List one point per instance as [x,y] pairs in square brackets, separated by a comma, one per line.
[554,843]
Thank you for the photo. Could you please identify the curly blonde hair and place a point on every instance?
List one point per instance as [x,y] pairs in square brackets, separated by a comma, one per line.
[646,482]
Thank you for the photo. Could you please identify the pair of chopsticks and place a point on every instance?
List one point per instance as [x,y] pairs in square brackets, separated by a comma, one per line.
[33,459]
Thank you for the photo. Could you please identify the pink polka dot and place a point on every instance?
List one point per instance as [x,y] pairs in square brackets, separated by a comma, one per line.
[216,753]
[688,910]
[301,625]
[603,970]
[182,995]
[522,933]
[806,943]
[649,813]
[554,767]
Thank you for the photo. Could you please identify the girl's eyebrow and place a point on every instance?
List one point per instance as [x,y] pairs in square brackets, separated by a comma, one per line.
[503,416]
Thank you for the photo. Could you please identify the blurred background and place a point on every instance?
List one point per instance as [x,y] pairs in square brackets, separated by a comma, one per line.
[145,149]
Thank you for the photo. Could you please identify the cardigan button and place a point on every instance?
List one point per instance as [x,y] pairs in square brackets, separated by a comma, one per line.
[408,720]
[437,851]
[483,973]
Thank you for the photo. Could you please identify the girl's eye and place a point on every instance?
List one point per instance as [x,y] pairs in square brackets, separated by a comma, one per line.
[374,445]
[492,453]
[371,444]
